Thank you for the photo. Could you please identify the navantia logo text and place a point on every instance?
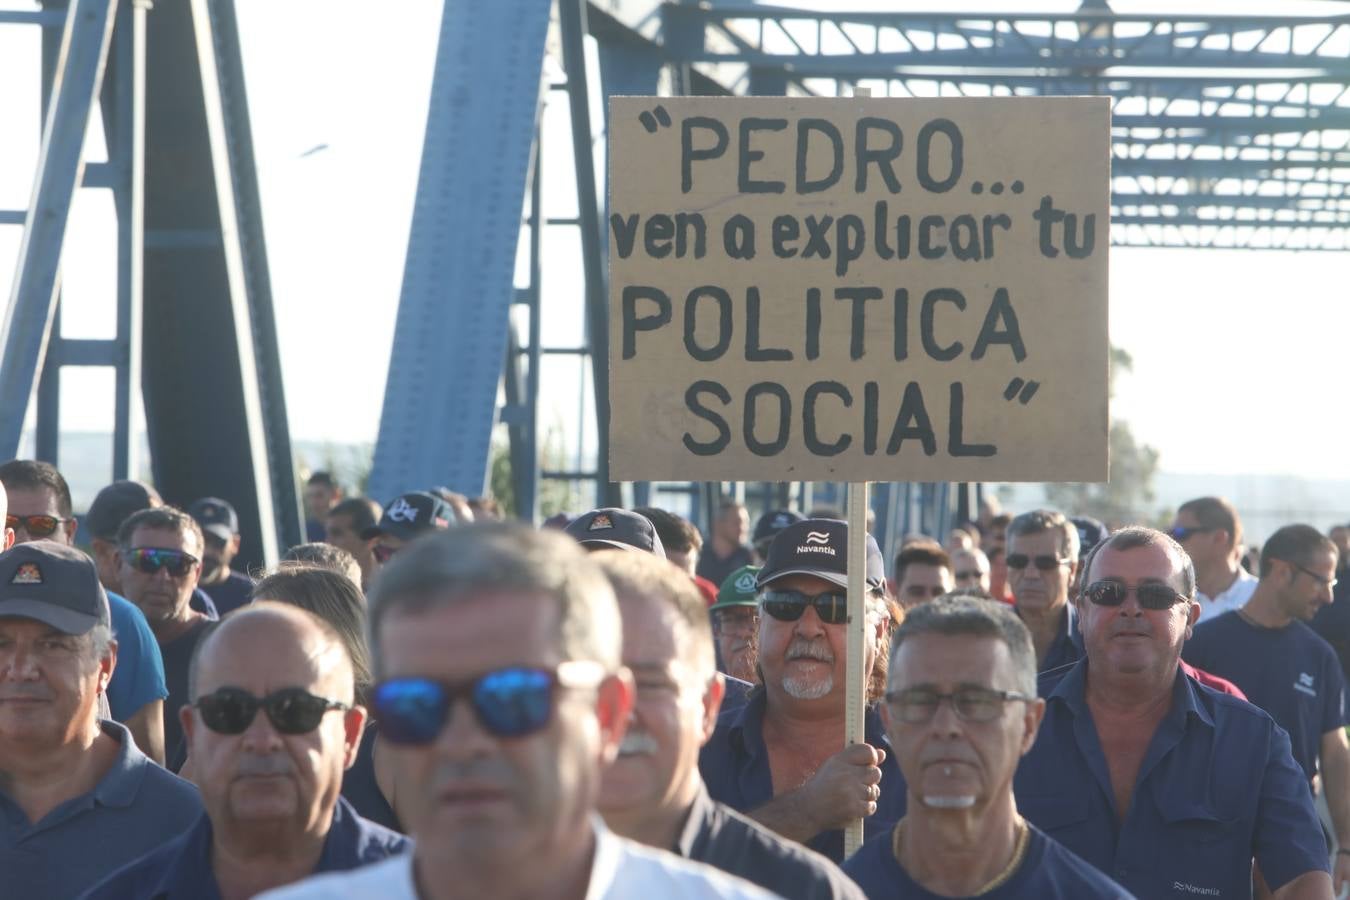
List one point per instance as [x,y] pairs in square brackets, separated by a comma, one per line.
[817,537]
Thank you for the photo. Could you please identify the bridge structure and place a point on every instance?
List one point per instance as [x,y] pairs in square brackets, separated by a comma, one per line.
[1229,131]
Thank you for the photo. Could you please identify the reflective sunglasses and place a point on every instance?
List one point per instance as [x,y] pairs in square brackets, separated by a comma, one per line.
[916,706]
[1045,562]
[151,559]
[290,710]
[509,703]
[382,553]
[1150,596]
[788,606]
[1180,533]
[39,526]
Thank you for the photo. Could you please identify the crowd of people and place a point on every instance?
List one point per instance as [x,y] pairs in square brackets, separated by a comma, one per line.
[425,701]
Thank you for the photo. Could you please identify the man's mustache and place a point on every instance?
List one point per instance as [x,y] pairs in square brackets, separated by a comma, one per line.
[802,648]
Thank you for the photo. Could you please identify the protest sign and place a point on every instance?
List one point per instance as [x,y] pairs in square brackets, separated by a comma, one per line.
[858,289]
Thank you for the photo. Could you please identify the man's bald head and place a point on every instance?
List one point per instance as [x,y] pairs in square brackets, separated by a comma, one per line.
[265,629]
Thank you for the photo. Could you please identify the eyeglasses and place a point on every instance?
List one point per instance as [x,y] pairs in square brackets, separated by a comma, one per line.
[788,606]
[1044,562]
[509,703]
[1180,533]
[151,559]
[290,710]
[1320,579]
[1150,596]
[382,553]
[39,526]
[916,706]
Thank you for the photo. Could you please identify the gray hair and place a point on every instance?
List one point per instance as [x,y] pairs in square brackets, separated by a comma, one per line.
[100,642]
[1136,536]
[644,576]
[1039,520]
[446,567]
[954,614]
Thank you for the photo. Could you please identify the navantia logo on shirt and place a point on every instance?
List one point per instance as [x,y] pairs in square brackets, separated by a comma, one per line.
[817,542]
[1192,889]
[1305,684]
[402,511]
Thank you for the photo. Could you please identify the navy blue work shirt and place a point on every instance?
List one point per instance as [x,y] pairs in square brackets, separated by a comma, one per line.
[1067,647]
[362,790]
[719,836]
[181,869]
[1289,672]
[135,807]
[1048,872]
[735,767]
[138,677]
[1217,786]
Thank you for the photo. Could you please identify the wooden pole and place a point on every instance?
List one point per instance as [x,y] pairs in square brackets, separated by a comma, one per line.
[856,697]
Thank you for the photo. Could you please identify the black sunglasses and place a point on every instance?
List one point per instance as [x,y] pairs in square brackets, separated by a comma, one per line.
[788,606]
[1045,562]
[151,559]
[1181,533]
[39,526]
[1150,596]
[509,703]
[290,710]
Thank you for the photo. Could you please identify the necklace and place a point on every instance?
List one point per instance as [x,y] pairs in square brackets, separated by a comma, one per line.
[1020,844]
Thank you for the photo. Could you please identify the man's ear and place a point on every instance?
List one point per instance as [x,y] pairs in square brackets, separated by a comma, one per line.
[353,726]
[1035,714]
[614,700]
[713,695]
[234,544]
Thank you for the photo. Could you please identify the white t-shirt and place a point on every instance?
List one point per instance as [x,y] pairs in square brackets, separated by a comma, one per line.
[1234,598]
[622,869]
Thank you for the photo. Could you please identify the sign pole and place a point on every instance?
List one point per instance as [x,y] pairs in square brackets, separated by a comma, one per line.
[856,697]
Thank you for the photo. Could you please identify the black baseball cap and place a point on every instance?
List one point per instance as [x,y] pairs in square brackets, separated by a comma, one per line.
[818,547]
[54,584]
[115,504]
[1091,532]
[216,517]
[411,515]
[621,529]
[772,522]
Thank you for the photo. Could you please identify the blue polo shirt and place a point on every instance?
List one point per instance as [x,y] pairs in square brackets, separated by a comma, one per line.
[1048,872]
[1067,647]
[135,807]
[181,869]
[735,767]
[138,678]
[1289,672]
[1217,786]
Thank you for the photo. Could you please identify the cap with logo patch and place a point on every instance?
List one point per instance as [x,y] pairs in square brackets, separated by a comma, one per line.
[53,584]
[818,547]
[738,589]
[411,515]
[216,517]
[620,529]
[772,522]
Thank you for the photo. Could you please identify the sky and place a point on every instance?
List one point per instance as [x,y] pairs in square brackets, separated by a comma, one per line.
[1238,356]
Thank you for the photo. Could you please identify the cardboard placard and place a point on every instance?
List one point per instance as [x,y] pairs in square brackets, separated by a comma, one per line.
[859,289]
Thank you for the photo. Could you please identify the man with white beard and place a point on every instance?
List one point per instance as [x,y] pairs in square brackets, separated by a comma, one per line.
[781,757]
[653,792]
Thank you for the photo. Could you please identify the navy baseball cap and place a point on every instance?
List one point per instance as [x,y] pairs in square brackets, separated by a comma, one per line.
[1091,532]
[52,584]
[115,504]
[818,547]
[620,529]
[772,522]
[411,515]
[216,517]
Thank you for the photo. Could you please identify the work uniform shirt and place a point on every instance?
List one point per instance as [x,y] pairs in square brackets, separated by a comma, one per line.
[735,767]
[717,835]
[1289,672]
[620,870]
[235,591]
[138,677]
[181,869]
[177,655]
[1217,786]
[1067,648]
[135,807]
[1048,872]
